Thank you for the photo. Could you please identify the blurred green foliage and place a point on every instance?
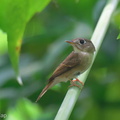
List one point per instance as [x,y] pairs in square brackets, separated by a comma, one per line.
[44,48]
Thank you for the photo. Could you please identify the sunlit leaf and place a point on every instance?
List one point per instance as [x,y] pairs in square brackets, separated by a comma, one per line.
[118,36]
[14,16]
[24,110]
[3,42]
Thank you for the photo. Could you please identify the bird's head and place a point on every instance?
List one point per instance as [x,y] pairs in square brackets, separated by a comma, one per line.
[80,44]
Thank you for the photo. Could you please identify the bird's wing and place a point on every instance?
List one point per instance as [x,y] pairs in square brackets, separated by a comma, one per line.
[71,61]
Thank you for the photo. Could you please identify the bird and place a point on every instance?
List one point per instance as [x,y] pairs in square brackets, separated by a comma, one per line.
[77,62]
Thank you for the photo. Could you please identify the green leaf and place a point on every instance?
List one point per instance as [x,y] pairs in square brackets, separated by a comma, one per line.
[3,43]
[14,16]
[118,36]
[27,110]
[24,110]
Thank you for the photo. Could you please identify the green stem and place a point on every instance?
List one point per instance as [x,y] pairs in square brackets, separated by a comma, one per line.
[97,38]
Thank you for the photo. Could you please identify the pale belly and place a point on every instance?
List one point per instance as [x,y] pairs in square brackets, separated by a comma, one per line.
[82,67]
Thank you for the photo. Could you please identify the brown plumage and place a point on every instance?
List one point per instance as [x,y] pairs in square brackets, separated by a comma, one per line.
[77,62]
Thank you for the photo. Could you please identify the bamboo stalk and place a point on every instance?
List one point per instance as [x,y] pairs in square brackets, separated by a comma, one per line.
[97,38]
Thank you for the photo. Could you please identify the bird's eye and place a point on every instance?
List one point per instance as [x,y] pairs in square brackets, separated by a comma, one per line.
[82,41]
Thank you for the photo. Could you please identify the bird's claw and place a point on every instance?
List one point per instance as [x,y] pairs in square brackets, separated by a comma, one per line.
[74,84]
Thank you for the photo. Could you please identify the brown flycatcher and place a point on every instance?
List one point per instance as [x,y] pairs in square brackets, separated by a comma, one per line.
[77,62]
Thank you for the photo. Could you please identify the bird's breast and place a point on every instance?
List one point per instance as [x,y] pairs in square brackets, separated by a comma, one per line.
[85,61]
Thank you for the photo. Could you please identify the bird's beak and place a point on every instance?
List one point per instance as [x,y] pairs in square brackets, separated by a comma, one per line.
[71,42]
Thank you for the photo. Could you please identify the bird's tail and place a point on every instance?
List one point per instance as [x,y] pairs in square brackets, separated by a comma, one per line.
[49,85]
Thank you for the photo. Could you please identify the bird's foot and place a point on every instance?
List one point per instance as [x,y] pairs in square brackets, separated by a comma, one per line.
[78,81]
[74,84]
